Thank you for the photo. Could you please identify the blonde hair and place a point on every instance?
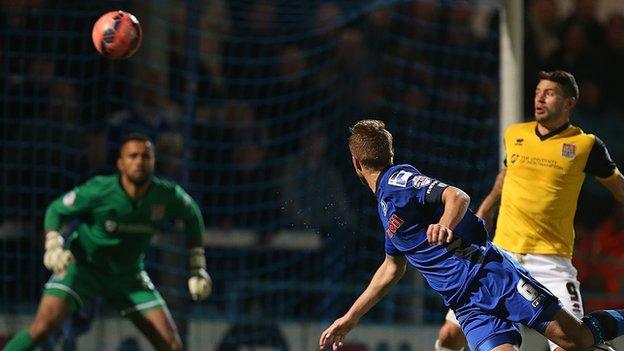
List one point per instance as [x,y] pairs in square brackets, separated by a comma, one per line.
[371,144]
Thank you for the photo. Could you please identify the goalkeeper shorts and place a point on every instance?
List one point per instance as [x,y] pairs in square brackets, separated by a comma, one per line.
[128,293]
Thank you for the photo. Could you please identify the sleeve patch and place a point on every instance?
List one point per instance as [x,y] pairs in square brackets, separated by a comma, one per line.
[400,178]
[69,198]
[421,181]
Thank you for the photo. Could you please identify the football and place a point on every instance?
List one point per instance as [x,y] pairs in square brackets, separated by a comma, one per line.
[117,35]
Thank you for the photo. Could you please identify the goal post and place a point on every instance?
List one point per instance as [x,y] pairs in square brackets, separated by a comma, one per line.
[511,66]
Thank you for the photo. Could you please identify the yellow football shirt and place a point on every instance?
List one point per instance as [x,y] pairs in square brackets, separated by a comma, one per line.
[542,184]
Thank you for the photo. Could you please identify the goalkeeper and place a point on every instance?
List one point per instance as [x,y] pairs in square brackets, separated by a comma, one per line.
[119,214]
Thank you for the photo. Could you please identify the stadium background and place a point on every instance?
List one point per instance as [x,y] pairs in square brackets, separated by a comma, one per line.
[249,103]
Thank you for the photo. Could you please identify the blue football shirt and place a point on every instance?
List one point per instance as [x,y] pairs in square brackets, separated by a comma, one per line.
[408,202]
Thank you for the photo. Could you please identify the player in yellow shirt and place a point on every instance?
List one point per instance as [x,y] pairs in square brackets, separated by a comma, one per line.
[545,165]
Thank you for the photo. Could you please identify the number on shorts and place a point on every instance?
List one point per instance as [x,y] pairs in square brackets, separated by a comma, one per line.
[526,290]
[574,296]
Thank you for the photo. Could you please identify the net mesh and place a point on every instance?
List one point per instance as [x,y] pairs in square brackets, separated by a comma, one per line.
[249,104]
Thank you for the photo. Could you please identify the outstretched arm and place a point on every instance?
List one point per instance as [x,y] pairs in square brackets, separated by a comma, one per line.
[615,184]
[486,210]
[601,165]
[390,271]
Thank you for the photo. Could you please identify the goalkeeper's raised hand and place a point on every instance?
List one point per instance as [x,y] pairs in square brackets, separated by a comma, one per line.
[56,258]
[199,283]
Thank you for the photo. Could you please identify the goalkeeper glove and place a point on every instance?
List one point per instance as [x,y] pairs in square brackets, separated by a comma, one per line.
[199,283]
[56,258]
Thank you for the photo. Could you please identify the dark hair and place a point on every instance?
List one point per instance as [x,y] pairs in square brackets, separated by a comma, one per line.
[371,143]
[134,137]
[564,79]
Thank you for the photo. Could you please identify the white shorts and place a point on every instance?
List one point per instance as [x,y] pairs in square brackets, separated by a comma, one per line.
[557,274]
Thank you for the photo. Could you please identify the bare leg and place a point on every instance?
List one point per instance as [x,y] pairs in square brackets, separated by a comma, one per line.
[451,337]
[569,332]
[160,330]
[51,312]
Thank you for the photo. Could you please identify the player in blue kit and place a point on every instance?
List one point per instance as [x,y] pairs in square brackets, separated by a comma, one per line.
[428,224]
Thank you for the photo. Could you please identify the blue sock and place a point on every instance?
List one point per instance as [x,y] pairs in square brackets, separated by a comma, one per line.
[605,325]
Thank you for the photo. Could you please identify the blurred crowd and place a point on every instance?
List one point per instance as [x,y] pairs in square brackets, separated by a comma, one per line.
[247,119]
[248,110]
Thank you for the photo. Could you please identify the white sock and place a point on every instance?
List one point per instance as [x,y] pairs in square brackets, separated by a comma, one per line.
[440,348]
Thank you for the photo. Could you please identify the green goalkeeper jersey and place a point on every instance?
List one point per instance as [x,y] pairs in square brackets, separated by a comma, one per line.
[115,229]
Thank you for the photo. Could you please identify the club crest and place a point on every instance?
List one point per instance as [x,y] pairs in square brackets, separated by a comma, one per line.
[384,207]
[568,150]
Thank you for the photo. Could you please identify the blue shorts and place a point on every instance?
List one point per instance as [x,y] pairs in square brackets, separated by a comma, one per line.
[502,295]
